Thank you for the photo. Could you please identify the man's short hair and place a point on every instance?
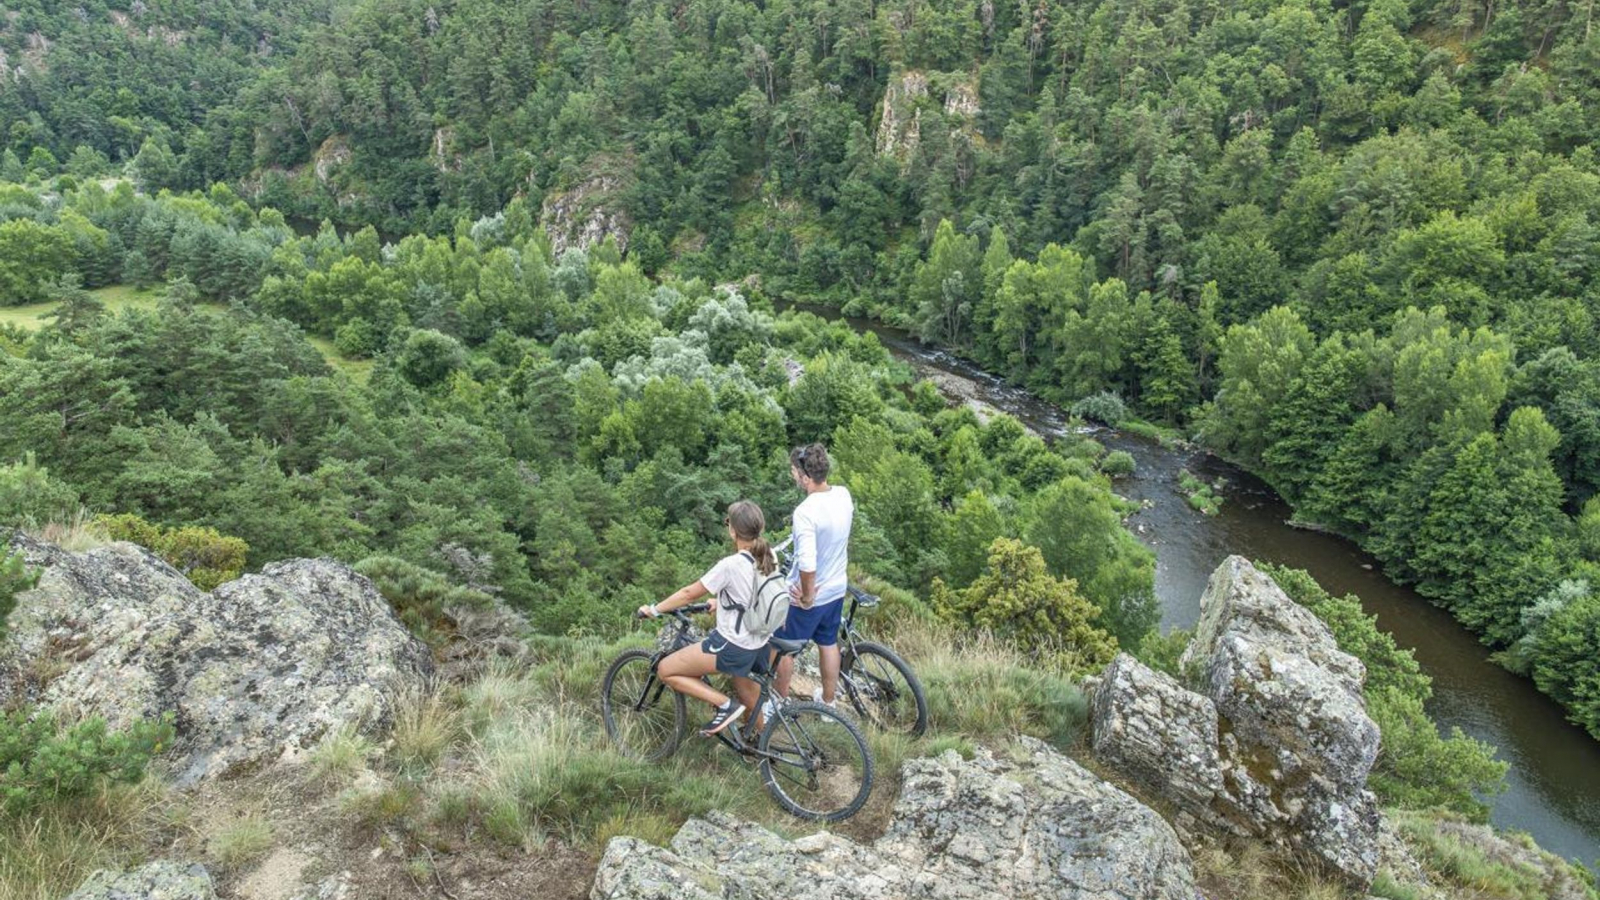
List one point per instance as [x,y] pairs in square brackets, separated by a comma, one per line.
[812,461]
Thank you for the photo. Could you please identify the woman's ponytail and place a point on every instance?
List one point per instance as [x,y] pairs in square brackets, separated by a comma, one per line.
[766,562]
[748,521]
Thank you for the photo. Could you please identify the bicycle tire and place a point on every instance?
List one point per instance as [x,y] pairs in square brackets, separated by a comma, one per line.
[650,735]
[809,734]
[878,684]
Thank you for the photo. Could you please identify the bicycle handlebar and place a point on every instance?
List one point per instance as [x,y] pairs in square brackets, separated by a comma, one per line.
[681,612]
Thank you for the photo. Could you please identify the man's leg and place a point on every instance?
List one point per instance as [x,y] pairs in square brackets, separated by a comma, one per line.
[749,692]
[827,638]
[829,658]
[786,672]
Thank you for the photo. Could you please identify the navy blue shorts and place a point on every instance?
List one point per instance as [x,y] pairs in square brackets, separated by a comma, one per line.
[819,624]
[733,659]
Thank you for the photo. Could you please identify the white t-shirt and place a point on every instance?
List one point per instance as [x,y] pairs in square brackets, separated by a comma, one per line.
[732,578]
[822,541]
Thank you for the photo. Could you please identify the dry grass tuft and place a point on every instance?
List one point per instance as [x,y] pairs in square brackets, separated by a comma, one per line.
[76,534]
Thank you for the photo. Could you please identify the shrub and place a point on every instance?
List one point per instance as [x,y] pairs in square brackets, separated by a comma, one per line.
[40,762]
[422,598]
[1017,599]
[1118,464]
[1161,652]
[1106,407]
[29,497]
[1201,496]
[14,579]
[205,556]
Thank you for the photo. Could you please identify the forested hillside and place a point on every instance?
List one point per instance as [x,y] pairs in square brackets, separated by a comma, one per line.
[1353,247]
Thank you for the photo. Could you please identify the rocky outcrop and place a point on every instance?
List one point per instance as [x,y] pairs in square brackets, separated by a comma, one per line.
[255,671]
[1028,824]
[586,215]
[1162,736]
[1281,707]
[900,124]
[159,880]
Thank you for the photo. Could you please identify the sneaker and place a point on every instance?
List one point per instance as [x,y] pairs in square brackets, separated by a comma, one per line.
[726,714]
[816,697]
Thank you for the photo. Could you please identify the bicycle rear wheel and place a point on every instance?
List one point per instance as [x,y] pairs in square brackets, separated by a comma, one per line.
[820,768]
[643,716]
[884,691]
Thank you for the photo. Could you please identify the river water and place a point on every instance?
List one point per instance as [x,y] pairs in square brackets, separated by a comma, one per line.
[1553,785]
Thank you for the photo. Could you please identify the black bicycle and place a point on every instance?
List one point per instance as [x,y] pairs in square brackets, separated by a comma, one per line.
[880,686]
[813,760]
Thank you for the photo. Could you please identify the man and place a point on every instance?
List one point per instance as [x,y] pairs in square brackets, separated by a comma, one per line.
[818,579]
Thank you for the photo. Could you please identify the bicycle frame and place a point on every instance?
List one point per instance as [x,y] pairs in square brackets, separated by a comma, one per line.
[734,736]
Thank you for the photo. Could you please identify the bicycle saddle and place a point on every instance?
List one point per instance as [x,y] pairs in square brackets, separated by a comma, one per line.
[786,647]
[862,598]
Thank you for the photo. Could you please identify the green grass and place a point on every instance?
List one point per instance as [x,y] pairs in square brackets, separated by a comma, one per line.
[359,370]
[120,297]
[117,297]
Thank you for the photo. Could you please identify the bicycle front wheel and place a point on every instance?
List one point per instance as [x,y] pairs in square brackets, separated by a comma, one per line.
[884,691]
[818,767]
[643,717]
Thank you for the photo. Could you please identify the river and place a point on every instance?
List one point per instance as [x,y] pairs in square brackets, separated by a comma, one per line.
[1553,785]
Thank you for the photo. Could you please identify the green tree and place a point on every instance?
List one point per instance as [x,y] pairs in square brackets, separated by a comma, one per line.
[1018,599]
[1077,526]
[32,256]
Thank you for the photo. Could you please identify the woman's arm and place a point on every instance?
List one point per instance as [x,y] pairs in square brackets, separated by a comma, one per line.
[683,597]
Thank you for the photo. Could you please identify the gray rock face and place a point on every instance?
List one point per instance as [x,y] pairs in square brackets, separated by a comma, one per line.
[1283,706]
[1163,737]
[254,671]
[159,880]
[1031,825]
[586,215]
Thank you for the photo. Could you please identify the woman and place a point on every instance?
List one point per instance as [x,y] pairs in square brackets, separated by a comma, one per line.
[729,649]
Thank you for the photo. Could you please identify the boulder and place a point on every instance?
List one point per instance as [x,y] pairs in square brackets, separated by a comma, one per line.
[1293,741]
[255,671]
[1163,737]
[159,880]
[1028,824]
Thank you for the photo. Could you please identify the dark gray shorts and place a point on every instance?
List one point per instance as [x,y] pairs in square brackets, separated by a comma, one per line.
[733,659]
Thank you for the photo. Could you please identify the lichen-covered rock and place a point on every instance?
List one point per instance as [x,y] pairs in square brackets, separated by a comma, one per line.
[1163,737]
[255,671]
[1031,825]
[159,880]
[961,100]
[1282,707]
[1038,825]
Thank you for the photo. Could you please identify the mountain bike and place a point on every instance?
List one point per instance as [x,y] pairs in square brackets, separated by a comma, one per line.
[813,760]
[880,686]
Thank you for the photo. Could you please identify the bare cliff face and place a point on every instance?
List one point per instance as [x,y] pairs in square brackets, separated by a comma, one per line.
[253,672]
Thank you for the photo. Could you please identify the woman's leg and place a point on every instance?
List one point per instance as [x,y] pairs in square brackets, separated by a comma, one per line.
[683,670]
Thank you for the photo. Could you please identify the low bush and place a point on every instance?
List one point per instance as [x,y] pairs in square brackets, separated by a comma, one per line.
[14,579]
[1106,407]
[205,556]
[41,762]
[1118,464]
[422,598]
